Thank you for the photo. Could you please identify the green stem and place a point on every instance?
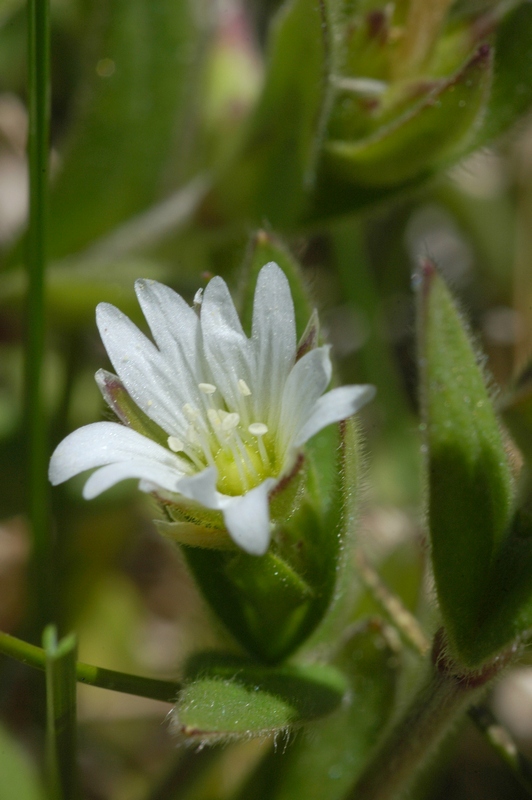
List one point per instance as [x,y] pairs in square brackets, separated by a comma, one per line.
[496,735]
[34,416]
[413,740]
[93,676]
[61,725]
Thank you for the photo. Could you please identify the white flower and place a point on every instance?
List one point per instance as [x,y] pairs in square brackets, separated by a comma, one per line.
[235,411]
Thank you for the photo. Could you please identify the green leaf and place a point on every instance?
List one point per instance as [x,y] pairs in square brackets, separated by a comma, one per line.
[61,733]
[275,166]
[423,137]
[139,61]
[511,93]
[19,776]
[506,613]
[225,697]
[468,475]
[325,759]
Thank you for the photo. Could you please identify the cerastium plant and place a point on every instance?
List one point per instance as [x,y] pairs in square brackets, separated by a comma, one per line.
[228,413]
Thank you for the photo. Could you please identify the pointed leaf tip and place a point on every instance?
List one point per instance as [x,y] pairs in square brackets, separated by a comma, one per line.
[470,484]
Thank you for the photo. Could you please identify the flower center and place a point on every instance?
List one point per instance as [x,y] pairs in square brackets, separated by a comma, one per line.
[241,450]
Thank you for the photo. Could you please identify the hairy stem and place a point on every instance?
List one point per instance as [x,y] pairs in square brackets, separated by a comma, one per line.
[414,739]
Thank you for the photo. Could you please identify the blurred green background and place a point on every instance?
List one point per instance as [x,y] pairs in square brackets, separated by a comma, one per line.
[150,103]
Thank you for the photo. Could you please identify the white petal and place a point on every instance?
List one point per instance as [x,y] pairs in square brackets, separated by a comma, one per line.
[105,443]
[274,340]
[247,519]
[158,475]
[201,487]
[227,349]
[172,321]
[332,407]
[175,327]
[306,383]
[149,377]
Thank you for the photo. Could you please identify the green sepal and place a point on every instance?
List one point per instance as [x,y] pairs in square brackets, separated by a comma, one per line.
[424,137]
[225,697]
[469,481]
[118,399]
[335,473]
[262,600]
[193,534]
[274,169]
[264,247]
[325,758]
[272,604]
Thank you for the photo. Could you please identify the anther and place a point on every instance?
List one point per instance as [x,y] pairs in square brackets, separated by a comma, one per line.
[190,412]
[243,388]
[258,428]
[192,435]
[198,300]
[207,388]
[175,444]
[230,422]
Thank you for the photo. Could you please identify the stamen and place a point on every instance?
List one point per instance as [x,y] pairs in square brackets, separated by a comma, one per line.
[258,429]
[230,422]
[175,444]
[245,456]
[241,474]
[243,388]
[190,412]
[214,417]
[207,388]
[192,435]
[206,448]
[198,300]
